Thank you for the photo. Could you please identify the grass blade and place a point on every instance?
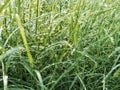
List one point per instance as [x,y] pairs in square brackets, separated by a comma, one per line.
[24,39]
[3,6]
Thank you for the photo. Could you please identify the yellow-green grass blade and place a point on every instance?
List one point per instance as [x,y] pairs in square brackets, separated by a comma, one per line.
[24,39]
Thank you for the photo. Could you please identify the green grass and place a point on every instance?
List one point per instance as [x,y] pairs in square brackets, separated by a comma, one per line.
[59,45]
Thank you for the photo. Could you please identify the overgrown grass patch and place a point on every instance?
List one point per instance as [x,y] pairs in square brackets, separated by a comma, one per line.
[59,44]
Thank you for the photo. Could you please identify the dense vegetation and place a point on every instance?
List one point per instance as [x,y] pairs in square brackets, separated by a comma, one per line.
[59,44]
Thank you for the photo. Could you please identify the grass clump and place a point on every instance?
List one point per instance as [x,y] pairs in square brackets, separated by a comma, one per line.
[74,44]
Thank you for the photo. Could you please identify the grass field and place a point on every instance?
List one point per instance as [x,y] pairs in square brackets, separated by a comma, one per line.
[59,44]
